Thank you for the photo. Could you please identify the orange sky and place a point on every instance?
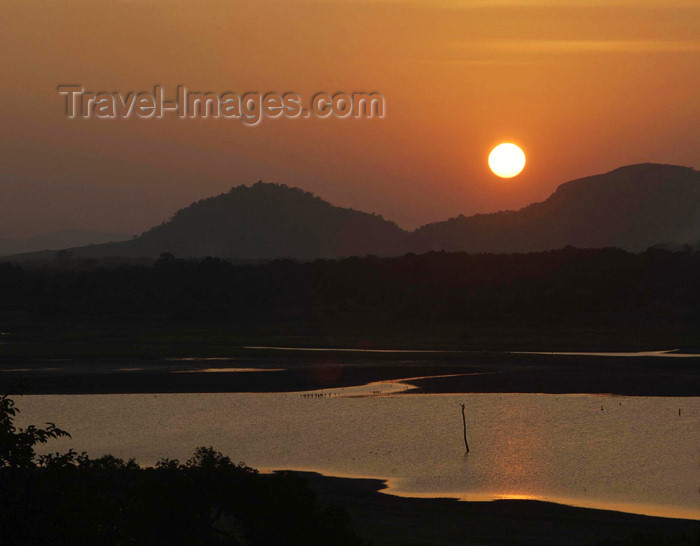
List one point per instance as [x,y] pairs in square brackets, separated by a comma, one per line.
[583,86]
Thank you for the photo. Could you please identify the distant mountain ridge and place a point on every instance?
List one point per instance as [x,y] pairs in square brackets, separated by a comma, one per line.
[58,240]
[633,207]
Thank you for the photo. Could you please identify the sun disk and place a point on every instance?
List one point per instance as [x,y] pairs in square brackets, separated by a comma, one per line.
[506,160]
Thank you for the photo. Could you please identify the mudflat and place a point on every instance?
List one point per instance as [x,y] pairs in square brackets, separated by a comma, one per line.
[266,370]
[388,520]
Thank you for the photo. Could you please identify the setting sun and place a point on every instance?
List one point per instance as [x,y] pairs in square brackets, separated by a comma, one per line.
[506,160]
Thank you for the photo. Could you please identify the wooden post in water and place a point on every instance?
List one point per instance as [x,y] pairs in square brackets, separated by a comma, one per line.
[464,424]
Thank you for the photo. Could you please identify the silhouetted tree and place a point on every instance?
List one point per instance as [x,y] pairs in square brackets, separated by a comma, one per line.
[17,445]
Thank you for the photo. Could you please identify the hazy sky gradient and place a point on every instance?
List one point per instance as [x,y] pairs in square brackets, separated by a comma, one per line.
[583,87]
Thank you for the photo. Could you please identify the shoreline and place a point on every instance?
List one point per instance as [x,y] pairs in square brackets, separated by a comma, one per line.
[290,371]
[391,520]
[384,486]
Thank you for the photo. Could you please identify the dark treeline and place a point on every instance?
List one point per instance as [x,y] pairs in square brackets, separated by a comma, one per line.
[653,287]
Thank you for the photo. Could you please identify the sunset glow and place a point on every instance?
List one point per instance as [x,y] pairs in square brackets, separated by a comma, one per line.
[458,78]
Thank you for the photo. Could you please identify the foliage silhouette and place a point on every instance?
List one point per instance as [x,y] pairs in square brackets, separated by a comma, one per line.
[71,499]
[656,287]
[17,444]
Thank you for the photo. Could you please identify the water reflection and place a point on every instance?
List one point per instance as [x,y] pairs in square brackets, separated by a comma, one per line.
[637,455]
[671,353]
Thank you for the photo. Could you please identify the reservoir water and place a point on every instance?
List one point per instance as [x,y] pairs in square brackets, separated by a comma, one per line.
[634,454]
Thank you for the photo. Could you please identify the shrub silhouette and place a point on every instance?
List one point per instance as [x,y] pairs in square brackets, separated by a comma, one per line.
[17,444]
[72,499]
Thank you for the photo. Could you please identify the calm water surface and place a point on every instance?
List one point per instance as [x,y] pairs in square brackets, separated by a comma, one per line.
[633,454]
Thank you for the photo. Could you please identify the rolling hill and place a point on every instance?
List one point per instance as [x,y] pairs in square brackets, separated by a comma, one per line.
[633,207]
[262,222]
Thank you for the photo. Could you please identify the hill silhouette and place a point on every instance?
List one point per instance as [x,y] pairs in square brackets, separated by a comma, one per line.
[58,240]
[633,208]
[263,221]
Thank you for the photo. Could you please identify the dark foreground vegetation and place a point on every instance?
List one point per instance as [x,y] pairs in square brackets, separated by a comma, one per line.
[70,499]
[578,287]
